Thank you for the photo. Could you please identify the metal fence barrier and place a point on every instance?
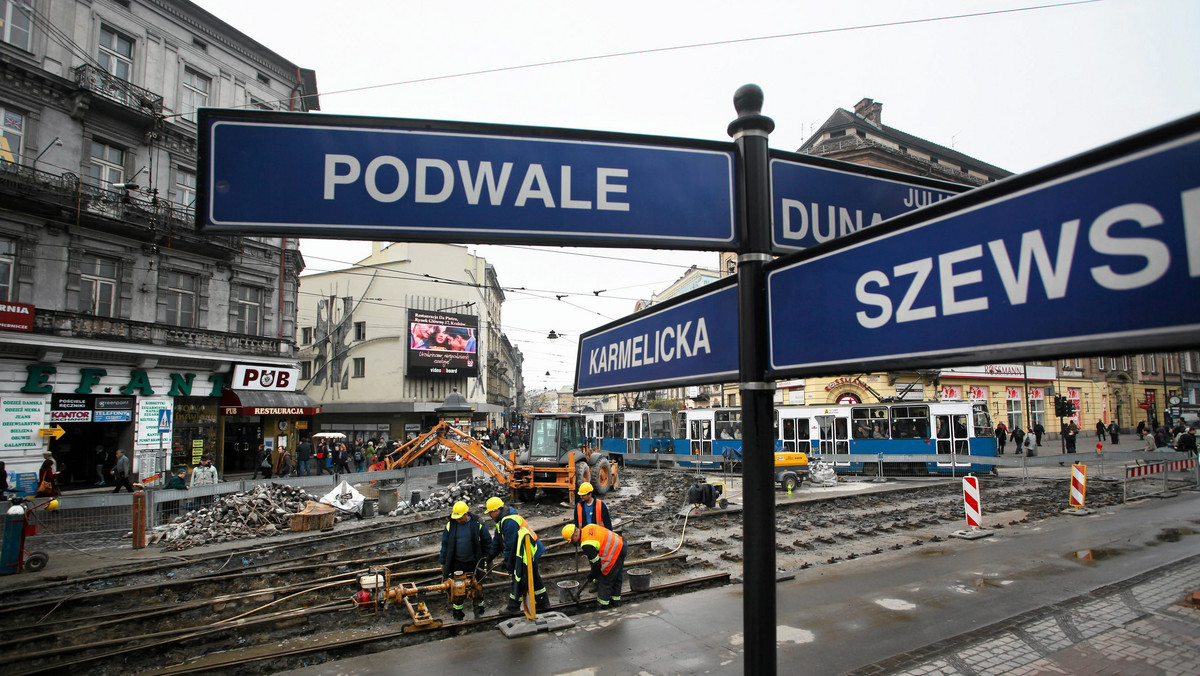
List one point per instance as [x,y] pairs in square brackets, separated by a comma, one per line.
[1155,475]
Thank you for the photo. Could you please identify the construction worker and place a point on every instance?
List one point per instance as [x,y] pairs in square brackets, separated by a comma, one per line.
[606,552]
[590,509]
[465,543]
[520,545]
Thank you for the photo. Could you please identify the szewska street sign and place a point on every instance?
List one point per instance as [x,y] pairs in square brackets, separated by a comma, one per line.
[1098,253]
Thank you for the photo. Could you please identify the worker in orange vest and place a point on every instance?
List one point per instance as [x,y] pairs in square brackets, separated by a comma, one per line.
[590,510]
[606,552]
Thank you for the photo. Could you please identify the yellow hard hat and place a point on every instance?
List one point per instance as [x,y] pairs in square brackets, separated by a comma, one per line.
[460,508]
[585,488]
[494,503]
[568,530]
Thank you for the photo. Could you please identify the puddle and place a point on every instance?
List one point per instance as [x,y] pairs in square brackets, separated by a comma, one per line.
[1091,556]
[1173,534]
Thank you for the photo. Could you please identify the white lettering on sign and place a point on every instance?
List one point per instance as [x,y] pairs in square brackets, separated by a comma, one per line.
[958,271]
[668,343]
[392,184]
[839,221]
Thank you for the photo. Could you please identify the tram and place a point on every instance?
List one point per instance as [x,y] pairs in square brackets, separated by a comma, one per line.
[953,430]
[676,437]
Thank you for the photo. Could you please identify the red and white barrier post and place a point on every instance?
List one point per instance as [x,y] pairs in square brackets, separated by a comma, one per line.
[974,510]
[1078,495]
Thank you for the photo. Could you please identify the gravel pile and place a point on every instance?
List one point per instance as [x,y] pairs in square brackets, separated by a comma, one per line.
[474,491]
[260,512]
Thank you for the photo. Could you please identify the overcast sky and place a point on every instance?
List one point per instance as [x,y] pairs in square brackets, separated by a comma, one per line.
[1014,89]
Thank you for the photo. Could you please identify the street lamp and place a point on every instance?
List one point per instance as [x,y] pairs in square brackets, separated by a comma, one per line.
[553,335]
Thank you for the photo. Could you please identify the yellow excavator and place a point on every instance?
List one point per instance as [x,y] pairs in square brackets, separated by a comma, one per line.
[558,457]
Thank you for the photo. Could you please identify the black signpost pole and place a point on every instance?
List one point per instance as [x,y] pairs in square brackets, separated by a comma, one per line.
[750,131]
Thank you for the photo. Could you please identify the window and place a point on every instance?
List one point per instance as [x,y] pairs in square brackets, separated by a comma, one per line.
[8,250]
[195,93]
[910,422]
[1014,414]
[306,334]
[12,134]
[1125,363]
[185,187]
[259,105]
[97,286]
[200,44]
[306,370]
[360,367]
[835,134]
[107,165]
[14,22]
[248,308]
[360,330]
[1142,359]
[1037,409]
[263,78]
[729,424]
[116,53]
[181,299]
[869,422]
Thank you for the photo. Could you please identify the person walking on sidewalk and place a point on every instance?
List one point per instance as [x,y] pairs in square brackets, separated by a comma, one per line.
[1001,437]
[1029,444]
[1018,438]
[121,472]
[1114,432]
[1038,431]
[1100,430]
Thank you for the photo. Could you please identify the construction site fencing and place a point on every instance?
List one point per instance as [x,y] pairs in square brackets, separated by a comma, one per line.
[1160,476]
[97,518]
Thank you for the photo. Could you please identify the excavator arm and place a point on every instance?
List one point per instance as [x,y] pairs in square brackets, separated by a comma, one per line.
[444,434]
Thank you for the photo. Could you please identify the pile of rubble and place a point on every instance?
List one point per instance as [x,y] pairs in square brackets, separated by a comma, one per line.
[474,491]
[260,512]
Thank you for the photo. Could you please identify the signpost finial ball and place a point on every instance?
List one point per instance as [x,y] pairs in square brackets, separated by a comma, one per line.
[748,100]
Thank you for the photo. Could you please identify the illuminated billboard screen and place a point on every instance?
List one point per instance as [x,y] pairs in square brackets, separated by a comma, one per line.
[441,344]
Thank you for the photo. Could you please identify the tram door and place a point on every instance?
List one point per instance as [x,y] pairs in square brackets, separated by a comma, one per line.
[952,434]
[834,432]
[633,435]
[701,436]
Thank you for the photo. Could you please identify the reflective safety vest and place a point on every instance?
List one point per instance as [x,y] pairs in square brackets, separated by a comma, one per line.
[523,531]
[608,545]
[581,513]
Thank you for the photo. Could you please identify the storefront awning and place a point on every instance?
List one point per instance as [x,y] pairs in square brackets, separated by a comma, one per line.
[255,402]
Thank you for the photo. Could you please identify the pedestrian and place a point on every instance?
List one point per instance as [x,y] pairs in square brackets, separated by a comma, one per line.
[1186,443]
[358,457]
[1141,429]
[1030,445]
[101,461]
[465,543]
[1001,437]
[176,483]
[262,463]
[342,461]
[1070,435]
[1038,431]
[1152,442]
[47,477]
[606,552]
[204,474]
[1100,430]
[1114,432]
[286,465]
[589,509]
[121,472]
[3,481]
[304,454]
[1018,437]
[522,550]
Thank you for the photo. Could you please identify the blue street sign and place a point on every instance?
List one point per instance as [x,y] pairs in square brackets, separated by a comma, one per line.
[384,179]
[689,340]
[816,203]
[164,421]
[1098,253]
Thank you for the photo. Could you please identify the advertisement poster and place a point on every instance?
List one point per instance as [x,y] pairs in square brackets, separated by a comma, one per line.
[441,344]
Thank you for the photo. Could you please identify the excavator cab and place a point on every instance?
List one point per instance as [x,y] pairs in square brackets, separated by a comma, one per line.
[553,437]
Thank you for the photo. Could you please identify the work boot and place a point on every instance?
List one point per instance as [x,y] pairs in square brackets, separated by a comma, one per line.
[514,606]
[542,604]
[459,615]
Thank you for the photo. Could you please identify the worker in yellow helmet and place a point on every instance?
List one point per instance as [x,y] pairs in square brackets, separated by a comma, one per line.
[606,552]
[590,509]
[465,542]
[519,544]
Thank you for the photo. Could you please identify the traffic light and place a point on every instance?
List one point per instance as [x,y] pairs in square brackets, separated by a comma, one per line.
[1058,406]
[1069,408]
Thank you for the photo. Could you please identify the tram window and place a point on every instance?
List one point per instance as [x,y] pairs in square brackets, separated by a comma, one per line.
[910,422]
[983,424]
[660,425]
[729,424]
[789,429]
[960,426]
[870,422]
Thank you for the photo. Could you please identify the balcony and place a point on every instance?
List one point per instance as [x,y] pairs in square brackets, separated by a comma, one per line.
[113,89]
[78,325]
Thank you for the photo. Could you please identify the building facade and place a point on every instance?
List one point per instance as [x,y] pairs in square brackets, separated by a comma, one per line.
[115,309]
[377,341]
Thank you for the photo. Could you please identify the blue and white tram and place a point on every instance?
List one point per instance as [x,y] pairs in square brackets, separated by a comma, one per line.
[956,430]
[670,436]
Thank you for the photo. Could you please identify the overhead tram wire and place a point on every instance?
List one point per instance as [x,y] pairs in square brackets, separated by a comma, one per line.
[695,45]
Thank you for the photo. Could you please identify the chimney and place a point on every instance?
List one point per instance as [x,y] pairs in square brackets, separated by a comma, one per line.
[870,110]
